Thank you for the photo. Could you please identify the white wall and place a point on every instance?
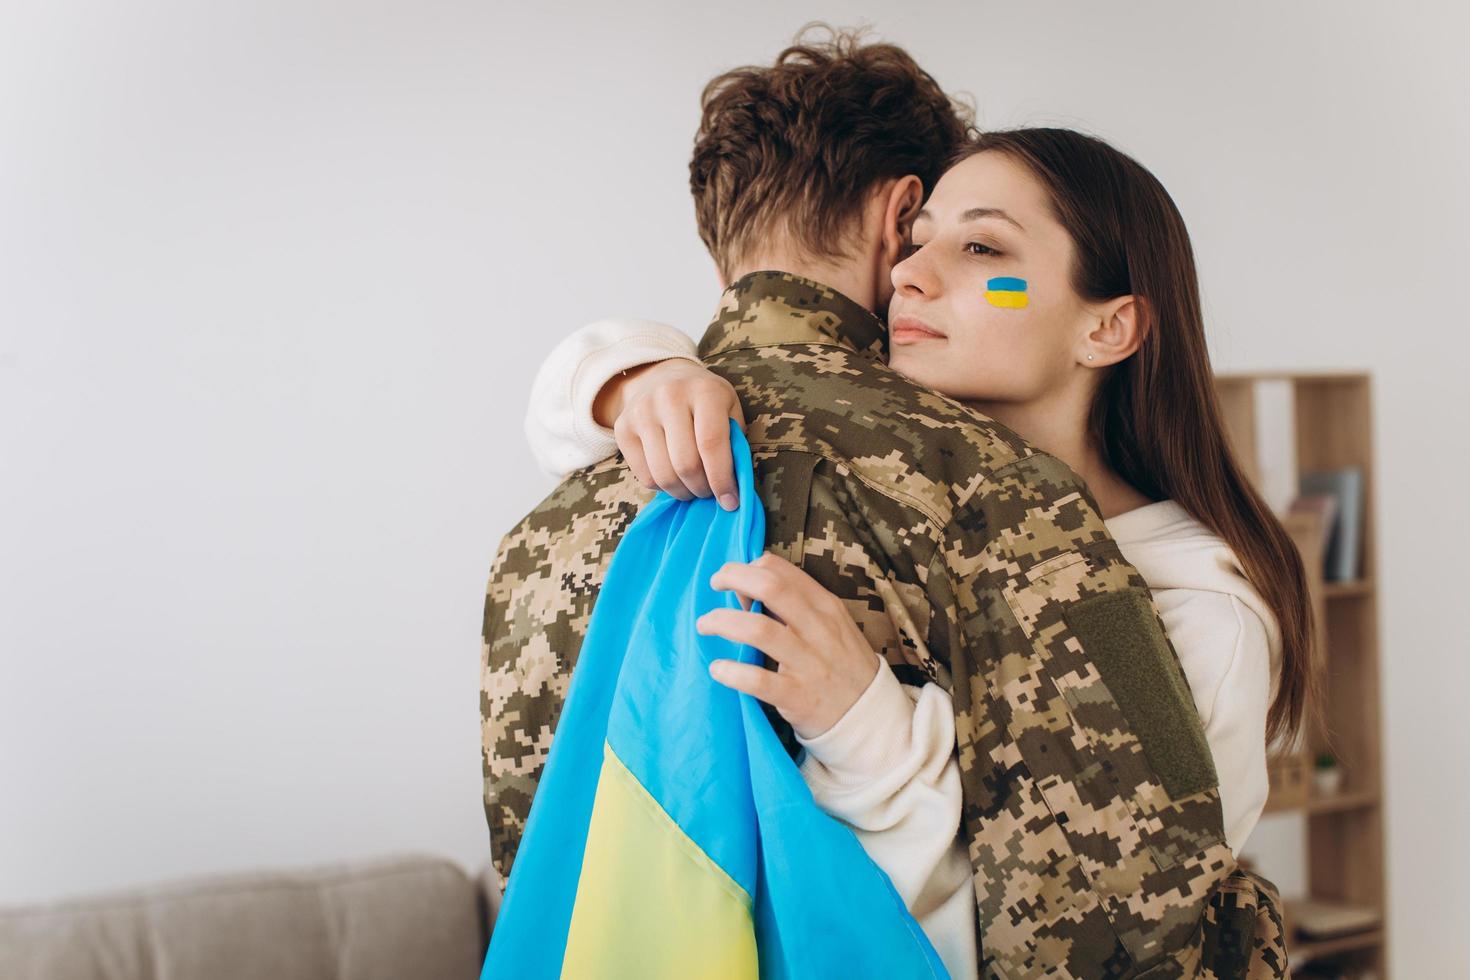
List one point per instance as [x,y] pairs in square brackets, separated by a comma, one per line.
[274,277]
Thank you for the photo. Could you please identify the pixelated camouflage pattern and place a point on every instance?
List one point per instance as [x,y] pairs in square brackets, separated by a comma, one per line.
[957,547]
[544,580]
[1241,935]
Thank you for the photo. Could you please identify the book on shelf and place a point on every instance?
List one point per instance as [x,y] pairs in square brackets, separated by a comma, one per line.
[1323,506]
[1344,534]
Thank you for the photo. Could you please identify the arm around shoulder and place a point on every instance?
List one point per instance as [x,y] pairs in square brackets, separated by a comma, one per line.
[559,424]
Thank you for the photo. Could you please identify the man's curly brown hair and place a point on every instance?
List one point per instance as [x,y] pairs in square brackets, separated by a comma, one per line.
[791,152]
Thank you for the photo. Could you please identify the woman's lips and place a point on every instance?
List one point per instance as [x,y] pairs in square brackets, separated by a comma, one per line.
[911,330]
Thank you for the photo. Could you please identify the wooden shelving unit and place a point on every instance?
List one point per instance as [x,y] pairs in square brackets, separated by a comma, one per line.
[1344,857]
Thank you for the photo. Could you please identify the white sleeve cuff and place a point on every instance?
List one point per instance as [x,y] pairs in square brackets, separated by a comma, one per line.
[874,731]
[559,423]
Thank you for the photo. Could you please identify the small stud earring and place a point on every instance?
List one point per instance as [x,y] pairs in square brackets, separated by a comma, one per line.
[1089,357]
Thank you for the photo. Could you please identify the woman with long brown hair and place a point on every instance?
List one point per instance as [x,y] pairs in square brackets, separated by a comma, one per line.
[1049,284]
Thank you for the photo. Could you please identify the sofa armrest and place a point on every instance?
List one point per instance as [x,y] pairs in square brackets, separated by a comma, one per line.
[387,919]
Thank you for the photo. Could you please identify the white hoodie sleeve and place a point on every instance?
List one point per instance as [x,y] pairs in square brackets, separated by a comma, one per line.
[559,422]
[888,768]
[1235,721]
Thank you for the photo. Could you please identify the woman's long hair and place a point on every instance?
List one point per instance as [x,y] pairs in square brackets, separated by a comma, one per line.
[1156,415]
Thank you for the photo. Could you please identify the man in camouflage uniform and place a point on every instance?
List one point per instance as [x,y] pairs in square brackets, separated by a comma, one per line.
[969,558]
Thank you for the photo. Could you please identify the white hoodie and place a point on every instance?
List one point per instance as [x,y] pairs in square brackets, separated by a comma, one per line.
[888,767]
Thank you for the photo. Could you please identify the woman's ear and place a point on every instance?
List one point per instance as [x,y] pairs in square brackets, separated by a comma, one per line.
[902,202]
[1122,323]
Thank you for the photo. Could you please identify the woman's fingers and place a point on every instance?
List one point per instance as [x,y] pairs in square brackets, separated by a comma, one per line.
[825,664]
[783,589]
[655,446]
[674,419]
[632,449]
[677,421]
[752,629]
[759,682]
[712,439]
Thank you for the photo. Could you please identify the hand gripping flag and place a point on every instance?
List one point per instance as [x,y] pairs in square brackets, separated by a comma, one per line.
[671,836]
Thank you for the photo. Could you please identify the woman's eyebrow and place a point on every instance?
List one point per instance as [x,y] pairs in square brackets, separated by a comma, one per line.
[975,214]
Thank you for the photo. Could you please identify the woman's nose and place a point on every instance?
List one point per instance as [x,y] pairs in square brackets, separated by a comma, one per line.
[913,277]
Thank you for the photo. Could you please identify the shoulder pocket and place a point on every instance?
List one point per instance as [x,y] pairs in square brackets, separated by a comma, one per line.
[1102,717]
[1120,634]
[1130,736]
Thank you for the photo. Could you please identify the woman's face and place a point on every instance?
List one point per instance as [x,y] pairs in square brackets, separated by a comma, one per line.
[983,308]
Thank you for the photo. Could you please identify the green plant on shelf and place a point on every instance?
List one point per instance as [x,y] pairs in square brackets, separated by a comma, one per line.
[1326,774]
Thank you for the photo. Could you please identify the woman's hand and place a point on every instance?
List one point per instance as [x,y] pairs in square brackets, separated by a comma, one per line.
[823,663]
[670,419]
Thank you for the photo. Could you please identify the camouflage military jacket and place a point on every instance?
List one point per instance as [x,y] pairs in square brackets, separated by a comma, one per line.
[968,558]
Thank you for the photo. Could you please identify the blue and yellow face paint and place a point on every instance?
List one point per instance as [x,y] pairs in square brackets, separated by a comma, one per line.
[1008,292]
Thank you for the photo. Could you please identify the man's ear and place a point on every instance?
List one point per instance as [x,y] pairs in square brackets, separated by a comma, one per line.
[904,198]
[1123,324]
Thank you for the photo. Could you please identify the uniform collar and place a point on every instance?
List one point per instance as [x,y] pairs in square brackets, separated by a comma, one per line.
[768,308]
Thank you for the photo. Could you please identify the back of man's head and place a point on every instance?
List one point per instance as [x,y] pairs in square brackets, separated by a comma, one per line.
[792,151]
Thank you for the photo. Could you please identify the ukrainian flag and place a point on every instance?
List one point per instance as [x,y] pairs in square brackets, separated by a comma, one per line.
[1007,291]
[671,836]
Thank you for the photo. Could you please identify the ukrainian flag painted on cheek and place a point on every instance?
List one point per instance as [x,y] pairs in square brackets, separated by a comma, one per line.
[1007,292]
[671,834]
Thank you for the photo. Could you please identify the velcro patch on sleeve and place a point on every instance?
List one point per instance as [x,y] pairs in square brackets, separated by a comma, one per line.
[1121,635]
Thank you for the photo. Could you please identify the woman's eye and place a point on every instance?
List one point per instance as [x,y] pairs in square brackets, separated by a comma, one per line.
[984,249]
[911,248]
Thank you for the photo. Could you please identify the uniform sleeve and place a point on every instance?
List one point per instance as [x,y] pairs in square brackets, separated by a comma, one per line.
[558,422]
[888,769]
[1091,792]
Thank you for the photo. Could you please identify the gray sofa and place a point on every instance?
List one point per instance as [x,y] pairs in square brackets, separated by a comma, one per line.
[400,918]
